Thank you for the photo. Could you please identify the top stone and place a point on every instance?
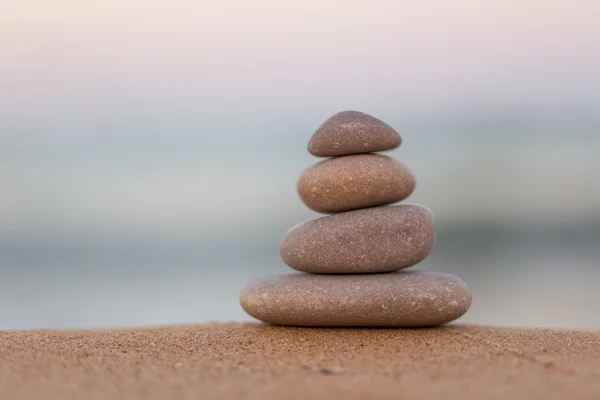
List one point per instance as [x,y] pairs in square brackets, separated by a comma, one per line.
[352,132]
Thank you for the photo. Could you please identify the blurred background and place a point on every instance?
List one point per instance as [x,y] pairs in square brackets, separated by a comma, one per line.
[149,150]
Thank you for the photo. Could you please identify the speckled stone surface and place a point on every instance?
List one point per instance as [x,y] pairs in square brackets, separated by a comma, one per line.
[405,298]
[353,182]
[379,239]
[352,132]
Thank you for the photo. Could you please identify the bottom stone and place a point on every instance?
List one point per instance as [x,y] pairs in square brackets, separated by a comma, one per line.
[400,299]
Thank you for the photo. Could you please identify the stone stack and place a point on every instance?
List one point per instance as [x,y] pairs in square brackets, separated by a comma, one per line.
[350,261]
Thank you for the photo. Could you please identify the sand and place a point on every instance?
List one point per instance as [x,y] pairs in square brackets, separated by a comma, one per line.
[254,361]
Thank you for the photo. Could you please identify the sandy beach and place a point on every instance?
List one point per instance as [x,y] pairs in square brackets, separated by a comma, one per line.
[255,361]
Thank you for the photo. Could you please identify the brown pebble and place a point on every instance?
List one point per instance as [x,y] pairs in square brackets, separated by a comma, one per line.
[352,182]
[401,299]
[352,132]
[380,239]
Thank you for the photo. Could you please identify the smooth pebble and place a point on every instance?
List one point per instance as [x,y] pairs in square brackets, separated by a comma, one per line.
[353,182]
[352,132]
[398,299]
[380,239]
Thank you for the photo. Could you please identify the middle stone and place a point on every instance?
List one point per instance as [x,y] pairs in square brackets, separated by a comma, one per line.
[380,239]
[353,182]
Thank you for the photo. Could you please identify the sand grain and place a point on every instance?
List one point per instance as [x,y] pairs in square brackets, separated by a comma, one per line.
[253,361]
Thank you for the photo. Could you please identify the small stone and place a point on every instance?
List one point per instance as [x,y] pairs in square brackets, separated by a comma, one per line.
[352,182]
[398,299]
[352,132]
[380,239]
[327,371]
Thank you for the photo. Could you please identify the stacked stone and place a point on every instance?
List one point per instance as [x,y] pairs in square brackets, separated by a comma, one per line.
[351,261]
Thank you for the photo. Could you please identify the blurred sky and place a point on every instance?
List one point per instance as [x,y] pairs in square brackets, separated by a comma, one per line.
[209,59]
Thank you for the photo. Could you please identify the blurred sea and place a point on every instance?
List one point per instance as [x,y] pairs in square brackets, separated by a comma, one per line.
[111,228]
[518,278]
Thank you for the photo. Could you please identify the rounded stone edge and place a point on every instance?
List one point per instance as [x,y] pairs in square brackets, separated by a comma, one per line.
[249,293]
[409,175]
[427,251]
[251,290]
[397,142]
